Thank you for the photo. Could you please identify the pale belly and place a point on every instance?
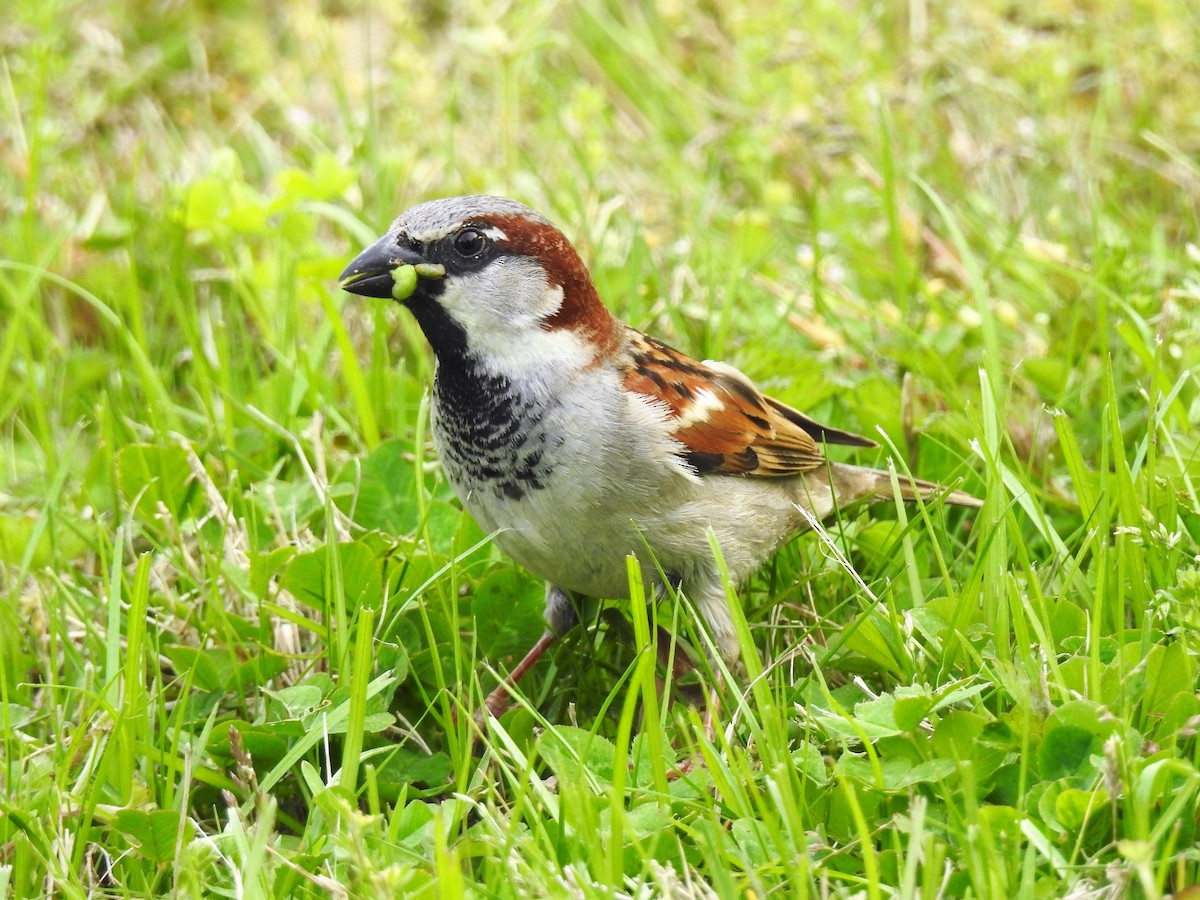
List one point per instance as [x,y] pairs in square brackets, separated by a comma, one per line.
[571,495]
[575,530]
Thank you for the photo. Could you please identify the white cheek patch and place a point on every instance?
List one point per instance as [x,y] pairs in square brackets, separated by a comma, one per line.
[503,308]
[508,297]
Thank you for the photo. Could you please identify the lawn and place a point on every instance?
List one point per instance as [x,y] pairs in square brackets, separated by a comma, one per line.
[244,623]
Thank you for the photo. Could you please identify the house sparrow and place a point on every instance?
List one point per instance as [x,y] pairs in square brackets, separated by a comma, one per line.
[577,440]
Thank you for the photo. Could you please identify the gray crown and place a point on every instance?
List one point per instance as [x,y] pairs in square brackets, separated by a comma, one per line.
[436,218]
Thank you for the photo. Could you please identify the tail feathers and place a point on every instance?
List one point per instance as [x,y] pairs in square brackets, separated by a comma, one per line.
[916,488]
[876,485]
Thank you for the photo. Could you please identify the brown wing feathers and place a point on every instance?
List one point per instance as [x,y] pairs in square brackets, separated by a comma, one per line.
[727,425]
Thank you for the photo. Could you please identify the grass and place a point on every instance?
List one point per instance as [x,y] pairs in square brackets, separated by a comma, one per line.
[244,624]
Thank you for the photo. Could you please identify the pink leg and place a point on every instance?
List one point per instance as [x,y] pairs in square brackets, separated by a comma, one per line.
[712,709]
[499,699]
[681,665]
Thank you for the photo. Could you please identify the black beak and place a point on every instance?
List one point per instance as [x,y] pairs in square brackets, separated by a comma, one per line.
[370,274]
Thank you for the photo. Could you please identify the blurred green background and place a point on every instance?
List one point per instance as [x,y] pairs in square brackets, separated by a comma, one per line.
[973,225]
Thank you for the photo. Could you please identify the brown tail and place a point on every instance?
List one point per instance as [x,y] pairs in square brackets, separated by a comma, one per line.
[876,484]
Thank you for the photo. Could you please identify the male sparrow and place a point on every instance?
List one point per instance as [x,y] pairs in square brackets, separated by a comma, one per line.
[578,440]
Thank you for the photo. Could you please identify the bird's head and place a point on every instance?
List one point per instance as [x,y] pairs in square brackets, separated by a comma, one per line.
[489,278]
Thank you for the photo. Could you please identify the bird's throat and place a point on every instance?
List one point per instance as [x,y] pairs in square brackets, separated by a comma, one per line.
[446,336]
[491,434]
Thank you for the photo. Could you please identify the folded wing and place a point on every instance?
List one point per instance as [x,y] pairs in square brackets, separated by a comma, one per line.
[727,425]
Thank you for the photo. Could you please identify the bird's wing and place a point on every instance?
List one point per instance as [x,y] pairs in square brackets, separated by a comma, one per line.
[727,425]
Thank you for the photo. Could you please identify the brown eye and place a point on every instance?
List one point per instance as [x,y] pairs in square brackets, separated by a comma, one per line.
[469,243]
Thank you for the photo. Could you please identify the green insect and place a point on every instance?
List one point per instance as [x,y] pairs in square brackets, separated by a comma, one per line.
[404,278]
[404,282]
